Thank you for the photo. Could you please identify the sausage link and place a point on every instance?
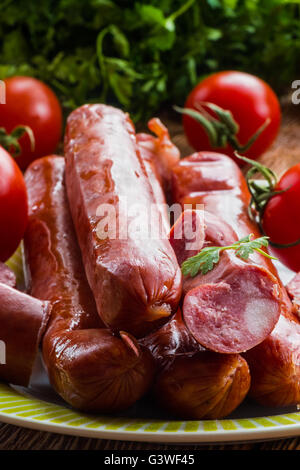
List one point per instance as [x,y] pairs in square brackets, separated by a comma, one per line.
[234,306]
[136,282]
[89,367]
[205,386]
[170,341]
[275,365]
[216,181]
[193,383]
[23,321]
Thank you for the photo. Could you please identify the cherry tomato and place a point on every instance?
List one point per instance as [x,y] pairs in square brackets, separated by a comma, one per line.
[281,221]
[13,205]
[250,100]
[31,103]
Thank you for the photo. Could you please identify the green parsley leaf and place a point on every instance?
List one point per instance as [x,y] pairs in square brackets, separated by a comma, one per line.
[207,258]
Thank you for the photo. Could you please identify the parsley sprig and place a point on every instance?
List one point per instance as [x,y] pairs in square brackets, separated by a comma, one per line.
[207,258]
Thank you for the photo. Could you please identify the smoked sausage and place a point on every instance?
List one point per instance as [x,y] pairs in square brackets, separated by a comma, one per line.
[135,277]
[23,321]
[170,341]
[216,181]
[91,369]
[234,306]
[205,386]
[275,365]
[192,382]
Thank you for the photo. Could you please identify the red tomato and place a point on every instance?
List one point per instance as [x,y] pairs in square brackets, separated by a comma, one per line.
[250,100]
[30,102]
[13,205]
[281,218]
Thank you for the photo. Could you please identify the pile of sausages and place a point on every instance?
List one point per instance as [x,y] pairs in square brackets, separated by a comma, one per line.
[113,316]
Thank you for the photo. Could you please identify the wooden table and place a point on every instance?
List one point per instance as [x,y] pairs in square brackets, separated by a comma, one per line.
[284,153]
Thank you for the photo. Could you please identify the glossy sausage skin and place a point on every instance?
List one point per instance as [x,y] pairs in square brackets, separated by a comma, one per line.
[192,382]
[205,386]
[23,321]
[171,341]
[215,180]
[136,280]
[88,366]
[275,365]
[187,235]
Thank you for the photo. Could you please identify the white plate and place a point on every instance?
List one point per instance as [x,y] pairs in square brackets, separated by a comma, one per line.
[22,408]
[38,407]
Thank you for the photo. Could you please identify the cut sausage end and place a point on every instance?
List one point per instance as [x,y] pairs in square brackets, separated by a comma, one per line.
[23,322]
[233,316]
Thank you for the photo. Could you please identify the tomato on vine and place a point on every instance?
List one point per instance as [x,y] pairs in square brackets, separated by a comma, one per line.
[232,111]
[275,207]
[33,106]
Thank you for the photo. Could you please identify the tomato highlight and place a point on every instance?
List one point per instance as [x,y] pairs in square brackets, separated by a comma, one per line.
[243,109]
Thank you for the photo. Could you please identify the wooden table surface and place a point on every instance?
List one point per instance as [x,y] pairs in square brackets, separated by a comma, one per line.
[284,153]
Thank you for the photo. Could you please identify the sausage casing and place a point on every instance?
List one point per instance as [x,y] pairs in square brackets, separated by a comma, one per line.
[216,181]
[92,369]
[135,279]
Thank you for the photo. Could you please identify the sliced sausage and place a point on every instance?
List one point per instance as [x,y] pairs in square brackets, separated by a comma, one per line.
[216,181]
[234,306]
[23,321]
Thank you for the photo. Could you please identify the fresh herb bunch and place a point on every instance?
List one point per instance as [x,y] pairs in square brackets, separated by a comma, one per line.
[144,55]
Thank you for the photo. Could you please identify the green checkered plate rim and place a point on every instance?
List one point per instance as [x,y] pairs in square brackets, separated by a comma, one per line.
[20,408]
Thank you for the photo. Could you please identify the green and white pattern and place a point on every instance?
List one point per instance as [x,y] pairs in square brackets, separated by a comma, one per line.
[27,411]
